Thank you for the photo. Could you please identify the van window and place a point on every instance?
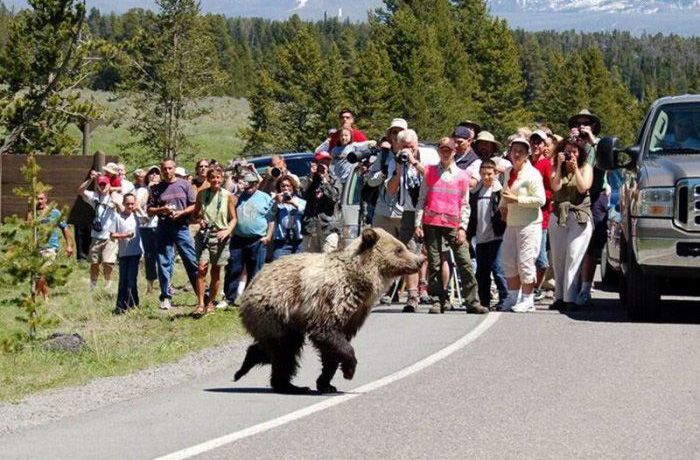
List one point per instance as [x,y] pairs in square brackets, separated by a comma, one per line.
[676,129]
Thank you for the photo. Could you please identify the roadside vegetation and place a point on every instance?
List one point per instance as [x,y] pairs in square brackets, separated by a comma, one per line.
[115,344]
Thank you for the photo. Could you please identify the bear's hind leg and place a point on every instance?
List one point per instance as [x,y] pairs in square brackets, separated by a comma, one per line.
[335,349]
[285,357]
[255,355]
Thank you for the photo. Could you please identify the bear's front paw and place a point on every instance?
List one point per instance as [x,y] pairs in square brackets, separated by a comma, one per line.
[326,388]
[349,369]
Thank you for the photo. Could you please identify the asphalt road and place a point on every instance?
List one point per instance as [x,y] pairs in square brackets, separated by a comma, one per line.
[538,385]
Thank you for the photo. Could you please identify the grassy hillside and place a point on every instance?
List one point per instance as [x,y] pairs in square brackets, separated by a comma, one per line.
[216,134]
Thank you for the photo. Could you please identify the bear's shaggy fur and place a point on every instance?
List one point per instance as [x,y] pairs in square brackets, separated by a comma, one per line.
[325,296]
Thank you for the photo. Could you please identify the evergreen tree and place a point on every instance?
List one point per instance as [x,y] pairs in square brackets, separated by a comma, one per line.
[265,131]
[171,67]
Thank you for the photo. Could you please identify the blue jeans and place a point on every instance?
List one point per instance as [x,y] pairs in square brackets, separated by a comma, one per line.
[128,294]
[541,263]
[248,253]
[285,248]
[150,252]
[169,236]
[487,263]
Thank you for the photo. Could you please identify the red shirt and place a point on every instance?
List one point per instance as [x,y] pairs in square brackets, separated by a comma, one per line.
[357,136]
[544,166]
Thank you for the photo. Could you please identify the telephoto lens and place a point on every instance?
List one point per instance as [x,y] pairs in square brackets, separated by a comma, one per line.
[275,172]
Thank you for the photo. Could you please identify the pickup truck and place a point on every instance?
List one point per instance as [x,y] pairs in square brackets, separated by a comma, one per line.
[654,243]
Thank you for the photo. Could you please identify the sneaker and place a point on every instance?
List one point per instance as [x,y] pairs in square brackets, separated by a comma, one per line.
[524,306]
[539,295]
[477,308]
[165,304]
[385,300]
[437,308]
[411,305]
[583,298]
[223,305]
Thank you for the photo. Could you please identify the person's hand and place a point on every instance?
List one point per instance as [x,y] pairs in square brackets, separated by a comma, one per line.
[372,143]
[561,158]
[509,197]
[572,164]
[94,174]
[418,234]
[223,234]
[313,168]
[265,240]
[176,214]
[586,134]
[278,197]
[69,250]
[504,214]
[461,237]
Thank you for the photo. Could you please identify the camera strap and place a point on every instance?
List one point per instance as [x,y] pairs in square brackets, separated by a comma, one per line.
[218,203]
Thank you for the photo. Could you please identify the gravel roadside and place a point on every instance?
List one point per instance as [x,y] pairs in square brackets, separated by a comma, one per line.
[54,405]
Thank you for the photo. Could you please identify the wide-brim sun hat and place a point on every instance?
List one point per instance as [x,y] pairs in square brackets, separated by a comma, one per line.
[485,136]
[586,114]
[152,169]
[111,168]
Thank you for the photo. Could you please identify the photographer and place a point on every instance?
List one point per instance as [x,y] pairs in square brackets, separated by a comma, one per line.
[215,210]
[172,200]
[288,211]
[321,223]
[398,196]
[103,250]
[277,170]
[585,126]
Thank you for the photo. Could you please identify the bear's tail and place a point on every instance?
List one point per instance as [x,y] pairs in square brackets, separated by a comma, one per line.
[256,355]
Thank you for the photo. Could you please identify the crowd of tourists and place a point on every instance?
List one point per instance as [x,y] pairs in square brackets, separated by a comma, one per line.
[488,215]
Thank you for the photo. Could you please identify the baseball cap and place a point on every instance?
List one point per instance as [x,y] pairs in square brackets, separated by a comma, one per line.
[322,155]
[180,172]
[139,172]
[103,180]
[521,140]
[250,177]
[398,123]
[446,141]
[539,133]
[463,132]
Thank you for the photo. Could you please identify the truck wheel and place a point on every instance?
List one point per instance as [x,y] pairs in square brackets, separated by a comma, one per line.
[642,294]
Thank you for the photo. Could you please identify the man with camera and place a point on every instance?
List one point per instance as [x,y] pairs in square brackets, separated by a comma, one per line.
[584,127]
[215,210]
[103,250]
[276,170]
[398,195]
[322,221]
[172,200]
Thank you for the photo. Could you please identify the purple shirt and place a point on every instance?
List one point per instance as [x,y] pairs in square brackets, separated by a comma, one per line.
[179,195]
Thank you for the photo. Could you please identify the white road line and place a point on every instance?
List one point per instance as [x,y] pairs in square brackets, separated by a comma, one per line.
[335,400]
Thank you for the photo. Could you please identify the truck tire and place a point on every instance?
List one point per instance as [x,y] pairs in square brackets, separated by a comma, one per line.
[642,293]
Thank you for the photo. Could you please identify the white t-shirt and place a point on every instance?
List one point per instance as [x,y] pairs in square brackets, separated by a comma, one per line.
[130,246]
[104,213]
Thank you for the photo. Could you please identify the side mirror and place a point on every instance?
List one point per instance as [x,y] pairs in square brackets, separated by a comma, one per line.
[611,155]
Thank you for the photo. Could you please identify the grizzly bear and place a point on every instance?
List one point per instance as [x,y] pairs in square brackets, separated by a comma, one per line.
[325,296]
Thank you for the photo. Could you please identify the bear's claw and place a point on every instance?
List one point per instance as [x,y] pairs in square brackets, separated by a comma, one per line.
[326,388]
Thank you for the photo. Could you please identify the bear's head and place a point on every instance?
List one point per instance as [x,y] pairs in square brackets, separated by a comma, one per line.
[391,257]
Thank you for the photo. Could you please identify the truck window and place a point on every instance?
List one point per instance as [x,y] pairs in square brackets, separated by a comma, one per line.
[676,130]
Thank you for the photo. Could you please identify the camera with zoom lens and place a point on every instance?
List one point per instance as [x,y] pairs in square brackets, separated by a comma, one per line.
[286,196]
[275,172]
[205,232]
[567,156]
[402,156]
[354,157]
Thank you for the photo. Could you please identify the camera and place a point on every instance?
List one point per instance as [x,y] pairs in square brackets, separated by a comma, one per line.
[275,172]
[402,156]
[286,196]
[354,157]
[96,226]
[205,232]
[322,169]
[567,156]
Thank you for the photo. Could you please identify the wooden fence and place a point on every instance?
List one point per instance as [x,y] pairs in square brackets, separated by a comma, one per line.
[62,173]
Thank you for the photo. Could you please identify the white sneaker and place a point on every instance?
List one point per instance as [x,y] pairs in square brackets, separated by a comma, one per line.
[165,304]
[223,305]
[526,305]
[583,298]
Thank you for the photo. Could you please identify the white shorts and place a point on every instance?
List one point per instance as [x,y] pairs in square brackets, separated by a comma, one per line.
[520,248]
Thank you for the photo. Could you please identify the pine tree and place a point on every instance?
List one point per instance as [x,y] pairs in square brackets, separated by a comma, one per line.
[265,131]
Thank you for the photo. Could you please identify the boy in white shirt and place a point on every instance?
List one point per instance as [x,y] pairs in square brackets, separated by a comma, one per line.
[126,232]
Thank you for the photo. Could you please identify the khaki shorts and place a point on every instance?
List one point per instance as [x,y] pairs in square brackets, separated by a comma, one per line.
[103,251]
[213,252]
[401,227]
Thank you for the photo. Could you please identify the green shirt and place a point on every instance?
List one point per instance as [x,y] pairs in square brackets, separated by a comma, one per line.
[215,208]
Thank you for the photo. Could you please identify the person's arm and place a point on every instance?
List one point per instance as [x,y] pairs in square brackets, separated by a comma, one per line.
[393,184]
[232,218]
[584,178]
[67,238]
[189,209]
[83,187]
[535,197]
[197,213]
[420,206]
[556,173]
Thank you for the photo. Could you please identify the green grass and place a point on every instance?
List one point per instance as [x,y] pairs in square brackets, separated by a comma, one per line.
[116,345]
[216,134]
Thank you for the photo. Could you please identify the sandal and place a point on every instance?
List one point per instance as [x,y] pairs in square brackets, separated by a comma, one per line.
[211,308]
[199,311]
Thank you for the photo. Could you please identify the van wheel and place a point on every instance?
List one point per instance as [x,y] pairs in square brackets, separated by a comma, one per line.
[643,296]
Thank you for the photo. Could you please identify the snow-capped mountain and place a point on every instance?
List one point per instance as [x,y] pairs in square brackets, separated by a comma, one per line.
[666,16]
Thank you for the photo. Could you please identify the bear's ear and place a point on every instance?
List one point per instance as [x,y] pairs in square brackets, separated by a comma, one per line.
[369,239]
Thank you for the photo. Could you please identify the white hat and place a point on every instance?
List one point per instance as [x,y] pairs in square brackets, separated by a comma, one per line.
[521,140]
[111,168]
[180,172]
[398,123]
[541,134]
